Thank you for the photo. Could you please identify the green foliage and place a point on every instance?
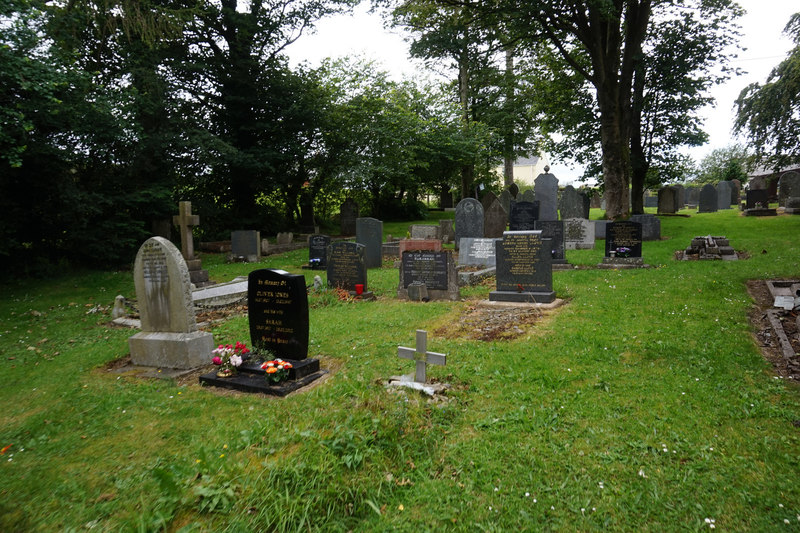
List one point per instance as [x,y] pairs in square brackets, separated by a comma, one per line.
[769,114]
[727,163]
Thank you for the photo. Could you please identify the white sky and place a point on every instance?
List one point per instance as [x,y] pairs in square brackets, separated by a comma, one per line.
[363,34]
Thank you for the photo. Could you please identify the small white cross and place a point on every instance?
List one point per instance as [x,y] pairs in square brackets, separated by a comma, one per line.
[422,356]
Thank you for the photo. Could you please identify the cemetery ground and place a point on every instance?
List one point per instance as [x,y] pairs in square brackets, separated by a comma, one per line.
[644,403]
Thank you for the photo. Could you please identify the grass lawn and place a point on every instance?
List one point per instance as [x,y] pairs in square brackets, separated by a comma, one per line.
[642,404]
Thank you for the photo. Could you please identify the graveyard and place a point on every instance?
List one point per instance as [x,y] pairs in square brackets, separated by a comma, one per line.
[651,399]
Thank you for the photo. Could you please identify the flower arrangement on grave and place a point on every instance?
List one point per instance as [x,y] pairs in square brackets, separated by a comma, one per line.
[623,251]
[228,357]
[276,370]
[314,262]
[758,205]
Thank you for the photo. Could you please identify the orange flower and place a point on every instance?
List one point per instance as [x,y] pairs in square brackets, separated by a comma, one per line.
[271,370]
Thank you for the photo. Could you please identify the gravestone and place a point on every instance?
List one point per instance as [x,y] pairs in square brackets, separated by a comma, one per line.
[185,220]
[424,231]
[757,199]
[681,196]
[572,204]
[495,220]
[792,205]
[736,187]
[524,268]
[347,265]
[651,226]
[505,200]
[600,229]
[410,245]
[554,230]
[421,356]
[514,190]
[246,244]
[369,232]
[169,336]
[487,200]
[523,216]
[724,194]
[692,196]
[623,243]
[348,213]
[667,201]
[435,270]
[283,238]
[708,199]
[651,201]
[446,231]
[469,219]
[757,183]
[545,189]
[578,234]
[788,186]
[527,196]
[477,252]
[318,251]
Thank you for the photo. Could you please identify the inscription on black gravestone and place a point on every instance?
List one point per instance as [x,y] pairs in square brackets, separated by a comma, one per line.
[553,229]
[429,268]
[523,263]
[318,250]
[346,265]
[277,308]
[523,216]
[624,234]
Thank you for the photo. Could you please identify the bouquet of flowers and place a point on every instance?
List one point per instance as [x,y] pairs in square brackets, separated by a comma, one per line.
[228,357]
[276,370]
[622,251]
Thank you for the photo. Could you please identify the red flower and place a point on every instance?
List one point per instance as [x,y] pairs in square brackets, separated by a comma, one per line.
[216,360]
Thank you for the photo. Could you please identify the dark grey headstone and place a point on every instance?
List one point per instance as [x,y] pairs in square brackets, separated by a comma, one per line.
[600,229]
[578,234]
[448,234]
[318,251]
[736,187]
[417,292]
[469,219]
[435,270]
[527,196]
[651,226]
[487,199]
[523,216]
[246,244]
[514,190]
[667,201]
[524,268]
[624,234]
[693,196]
[495,220]
[757,196]
[505,200]
[572,204]
[369,232]
[348,213]
[277,309]
[757,182]
[347,265]
[546,193]
[708,199]
[554,230]
[788,186]
[651,201]
[724,194]
[477,252]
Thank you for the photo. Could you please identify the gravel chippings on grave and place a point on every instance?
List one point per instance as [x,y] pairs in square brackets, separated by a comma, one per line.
[767,338]
[490,324]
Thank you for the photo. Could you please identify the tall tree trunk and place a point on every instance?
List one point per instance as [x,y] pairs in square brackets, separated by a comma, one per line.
[467,171]
[508,134]
[614,141]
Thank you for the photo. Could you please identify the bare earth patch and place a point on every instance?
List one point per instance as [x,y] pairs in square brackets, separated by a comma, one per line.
[491,324]
[767,338]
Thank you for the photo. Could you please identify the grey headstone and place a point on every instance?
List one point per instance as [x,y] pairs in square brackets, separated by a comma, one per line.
[651,201]
[477,252]
[681,190]
[724,194]
[524,268]
[417,292]
[578,234]
[554,230]
[757,183]
[736,187]
[369,232]
[788,186]
[495,220]
[169,336]
[693,196]
[600,229]
[469,219]
[572,204]
[348,213]
[246,244]
[527,196]
[285,238]
[424,231]
[448,234]
[546,193]
[505,200]
[708,199]
[651,226]
[667,200]
[487,199]
[435,270]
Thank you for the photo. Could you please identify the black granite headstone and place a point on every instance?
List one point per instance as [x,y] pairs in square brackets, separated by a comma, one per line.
[318,251]
[554,230]
[758,196]
[624,234]
[429,268]
[277,308]
[369,232]
[523,216]
[524,268]
[346,265]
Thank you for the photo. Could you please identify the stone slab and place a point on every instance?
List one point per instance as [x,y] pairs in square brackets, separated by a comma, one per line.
[171,350]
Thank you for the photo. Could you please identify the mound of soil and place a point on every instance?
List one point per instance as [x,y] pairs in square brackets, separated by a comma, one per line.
[767,338]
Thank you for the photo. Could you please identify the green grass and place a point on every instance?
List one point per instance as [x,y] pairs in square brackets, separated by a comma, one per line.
[643,404]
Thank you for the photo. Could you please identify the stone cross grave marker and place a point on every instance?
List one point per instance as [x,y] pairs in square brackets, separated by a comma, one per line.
[185,220]
[422,356]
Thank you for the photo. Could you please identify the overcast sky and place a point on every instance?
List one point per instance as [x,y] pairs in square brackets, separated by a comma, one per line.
[363,34]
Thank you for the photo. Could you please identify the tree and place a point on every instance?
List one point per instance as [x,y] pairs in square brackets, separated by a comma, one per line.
[769,114]
[727,163]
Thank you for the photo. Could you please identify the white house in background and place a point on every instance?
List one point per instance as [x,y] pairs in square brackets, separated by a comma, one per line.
[526,169]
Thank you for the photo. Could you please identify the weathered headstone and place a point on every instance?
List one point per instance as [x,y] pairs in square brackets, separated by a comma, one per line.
[435,270]
[487,199]
[527,196]
[285,237]
[681,197]
[757,183]
[505,200]
[318,251]
[667,201]
[185,220]
[421,356]
[651,226]
[369,232]
[572,204]
[410,245]
[347,265]
[524,268]
[477,252]
[495,220]
[277,307]
[724,194]
[736,187]
[578,234]
[788,186]
[448,234]
[554,230]
[348,213]
[169,336]
[424,231]
[469,219]
[514,190]
[692,196]
[624,240]
[523,216]
[708,199]
[246,244]
[651,201]
[546,193]
[792,205]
